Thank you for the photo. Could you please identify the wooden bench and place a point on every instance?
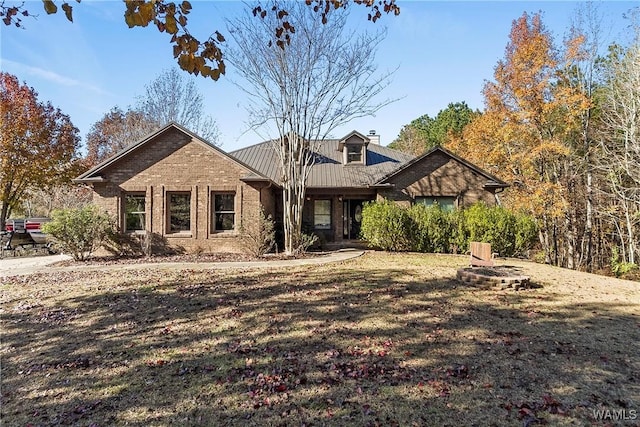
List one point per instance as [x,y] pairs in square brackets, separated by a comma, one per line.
[481,255]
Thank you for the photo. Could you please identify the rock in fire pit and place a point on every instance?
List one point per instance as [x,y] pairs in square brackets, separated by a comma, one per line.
[500,277]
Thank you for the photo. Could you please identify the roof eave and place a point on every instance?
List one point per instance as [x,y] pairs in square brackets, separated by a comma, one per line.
[493,184]
[258,179]
[89,180]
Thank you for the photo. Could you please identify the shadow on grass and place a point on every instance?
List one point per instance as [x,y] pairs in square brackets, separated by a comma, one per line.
[316,346]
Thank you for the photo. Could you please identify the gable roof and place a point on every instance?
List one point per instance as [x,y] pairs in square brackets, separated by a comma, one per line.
[349,138]
[492,181]
[328,170]
[93,174]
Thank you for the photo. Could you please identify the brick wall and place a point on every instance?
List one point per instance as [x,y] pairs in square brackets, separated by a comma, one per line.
[439,175]
[174,163]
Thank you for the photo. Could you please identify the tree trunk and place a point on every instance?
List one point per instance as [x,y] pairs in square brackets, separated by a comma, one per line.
[543,236]
[4,213]
[630,235]
[588,226]
[570,236]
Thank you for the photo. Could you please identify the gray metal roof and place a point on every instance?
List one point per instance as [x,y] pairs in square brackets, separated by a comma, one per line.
[328,170]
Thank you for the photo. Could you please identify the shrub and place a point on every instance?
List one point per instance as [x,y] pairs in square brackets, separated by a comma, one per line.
[303,242]
[526,234]
[494,225]
[433,229]
[258,234]
[619,267]
[387,226]
[459,234]
[79,231]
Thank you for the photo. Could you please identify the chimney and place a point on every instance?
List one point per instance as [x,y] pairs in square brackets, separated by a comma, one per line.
[373,138]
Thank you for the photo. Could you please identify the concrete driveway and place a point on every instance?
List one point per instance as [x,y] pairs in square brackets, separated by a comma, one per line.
[26,265]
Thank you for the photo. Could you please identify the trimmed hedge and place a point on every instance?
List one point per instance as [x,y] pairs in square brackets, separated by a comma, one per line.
[434,228]
[388,226]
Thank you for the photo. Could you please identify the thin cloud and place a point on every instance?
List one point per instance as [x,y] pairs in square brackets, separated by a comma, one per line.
[50,76]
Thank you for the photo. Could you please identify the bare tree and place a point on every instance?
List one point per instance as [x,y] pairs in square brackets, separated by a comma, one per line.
[302,90]
[620,143]
[43,201]
[116,130]
[583,46]
[174,97]
[171,97]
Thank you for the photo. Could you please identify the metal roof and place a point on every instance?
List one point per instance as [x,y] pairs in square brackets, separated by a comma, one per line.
[328,170]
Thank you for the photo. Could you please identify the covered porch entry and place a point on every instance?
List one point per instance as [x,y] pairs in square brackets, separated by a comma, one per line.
[335,218]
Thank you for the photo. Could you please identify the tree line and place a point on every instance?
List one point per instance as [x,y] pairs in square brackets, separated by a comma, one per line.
[40,150]
[562,125]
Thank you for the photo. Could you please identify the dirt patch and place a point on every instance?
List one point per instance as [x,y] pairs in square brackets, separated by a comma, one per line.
[384,339]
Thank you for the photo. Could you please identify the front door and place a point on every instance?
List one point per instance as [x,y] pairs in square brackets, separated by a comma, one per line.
[352,218]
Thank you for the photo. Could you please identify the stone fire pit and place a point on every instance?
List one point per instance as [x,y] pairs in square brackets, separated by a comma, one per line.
[500,277]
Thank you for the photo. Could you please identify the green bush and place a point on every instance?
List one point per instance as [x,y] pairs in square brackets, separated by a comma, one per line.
[79,231]
[494,225]
[526,234]
[434,229]
[460,234]
[387,226]
[619,267]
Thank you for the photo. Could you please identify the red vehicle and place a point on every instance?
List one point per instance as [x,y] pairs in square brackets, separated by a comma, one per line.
[24,233]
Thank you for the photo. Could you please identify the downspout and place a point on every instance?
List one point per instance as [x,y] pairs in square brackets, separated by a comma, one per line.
[498,191]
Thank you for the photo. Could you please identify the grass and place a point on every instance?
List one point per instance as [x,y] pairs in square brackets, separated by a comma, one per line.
[386,339]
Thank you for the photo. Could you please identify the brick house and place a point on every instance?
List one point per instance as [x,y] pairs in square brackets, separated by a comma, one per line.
[195,195]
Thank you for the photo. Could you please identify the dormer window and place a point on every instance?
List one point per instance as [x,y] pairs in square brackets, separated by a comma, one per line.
[354,149]
[354,153]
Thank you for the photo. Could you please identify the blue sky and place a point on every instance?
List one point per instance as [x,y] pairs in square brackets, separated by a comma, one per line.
[444,52]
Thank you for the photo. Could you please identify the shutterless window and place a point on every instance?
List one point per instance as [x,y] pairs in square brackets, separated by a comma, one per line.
[354,153]
[322,214]
[445,203]
[224,211]
[179,212]
[134,212]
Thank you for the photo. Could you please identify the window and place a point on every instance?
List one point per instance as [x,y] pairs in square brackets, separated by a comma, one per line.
[179,212]
[134,212]
[445,203]
[223,212]
[322,214]
[354,153]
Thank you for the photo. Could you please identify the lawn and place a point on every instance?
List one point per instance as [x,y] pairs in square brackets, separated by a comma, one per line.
[385,339]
